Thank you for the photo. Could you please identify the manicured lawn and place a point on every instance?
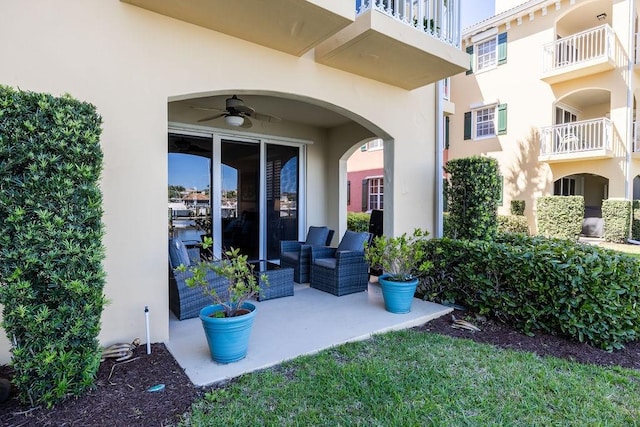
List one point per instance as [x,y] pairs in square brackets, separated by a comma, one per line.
[633,250]
[412,378]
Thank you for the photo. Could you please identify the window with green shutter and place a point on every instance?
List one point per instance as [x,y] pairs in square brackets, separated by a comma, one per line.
[502,48]
[502,119]
[470,52]
[467,125]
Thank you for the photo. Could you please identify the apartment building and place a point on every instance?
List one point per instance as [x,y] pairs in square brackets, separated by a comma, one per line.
[551,94]
[280,92]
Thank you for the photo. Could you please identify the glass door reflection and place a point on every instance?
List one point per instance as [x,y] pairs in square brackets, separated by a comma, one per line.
[240,197]
[281,196]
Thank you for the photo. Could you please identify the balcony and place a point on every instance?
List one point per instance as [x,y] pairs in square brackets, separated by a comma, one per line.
[636,139]
[404,43]
[583,140]
[581,54]
[289,26]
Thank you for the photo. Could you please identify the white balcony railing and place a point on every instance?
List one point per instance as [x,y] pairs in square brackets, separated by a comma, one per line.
[579,48]
[636,137]
[576,137]
[439,18]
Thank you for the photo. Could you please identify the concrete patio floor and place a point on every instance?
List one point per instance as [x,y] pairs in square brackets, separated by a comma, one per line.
[285,328]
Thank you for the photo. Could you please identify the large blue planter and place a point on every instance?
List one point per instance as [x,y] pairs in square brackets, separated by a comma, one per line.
[228,337]
[398,296]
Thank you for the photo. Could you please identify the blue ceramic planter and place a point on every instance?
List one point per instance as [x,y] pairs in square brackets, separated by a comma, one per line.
[398,296]
[228,337]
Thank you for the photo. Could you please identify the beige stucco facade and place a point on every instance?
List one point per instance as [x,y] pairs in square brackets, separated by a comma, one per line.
[141,69]
[568,84]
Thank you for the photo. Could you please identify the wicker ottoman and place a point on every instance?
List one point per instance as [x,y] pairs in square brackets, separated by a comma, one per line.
[280,280]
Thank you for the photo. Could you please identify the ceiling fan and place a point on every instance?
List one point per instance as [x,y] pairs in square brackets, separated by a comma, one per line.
[237,113]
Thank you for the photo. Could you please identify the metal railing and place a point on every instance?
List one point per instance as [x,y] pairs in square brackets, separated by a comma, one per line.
[439,18]
[581,47]
[576,137]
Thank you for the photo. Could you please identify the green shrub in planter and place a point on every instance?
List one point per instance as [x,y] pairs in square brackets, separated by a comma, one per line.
[616,215]
[560,216]
[513,224]
[51,249]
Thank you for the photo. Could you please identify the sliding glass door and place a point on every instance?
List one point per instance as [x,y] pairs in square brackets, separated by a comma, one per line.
[245,193]
[281,179]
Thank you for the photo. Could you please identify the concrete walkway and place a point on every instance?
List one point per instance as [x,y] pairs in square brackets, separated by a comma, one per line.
[285,328]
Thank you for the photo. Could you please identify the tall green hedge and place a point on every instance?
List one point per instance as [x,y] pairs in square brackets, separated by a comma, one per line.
[51,249]
[536,284]
[473,192]
[617,220]
[560,216]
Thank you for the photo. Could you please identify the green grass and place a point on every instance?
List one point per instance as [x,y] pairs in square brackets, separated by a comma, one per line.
[411,378]
[629,249]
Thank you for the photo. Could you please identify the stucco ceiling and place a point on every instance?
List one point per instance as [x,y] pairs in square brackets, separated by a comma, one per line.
[289,110]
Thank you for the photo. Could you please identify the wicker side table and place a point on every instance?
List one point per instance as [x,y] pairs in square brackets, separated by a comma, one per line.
[280,280]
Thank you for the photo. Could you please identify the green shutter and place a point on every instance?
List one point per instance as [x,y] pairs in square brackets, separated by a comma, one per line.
[470,52]
[363,147]
[467,125]
[502,119]
[446,133]
[502,48]
[365,195]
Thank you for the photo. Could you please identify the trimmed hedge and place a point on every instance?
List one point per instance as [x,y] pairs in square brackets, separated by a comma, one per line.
[556,286]
[358,221]
[50,242]
[635,220]
[513,224]
[517,207]
[616,215]
[473,192]
[560,216]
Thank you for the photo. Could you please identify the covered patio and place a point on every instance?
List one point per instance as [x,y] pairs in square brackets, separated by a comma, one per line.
[285,328]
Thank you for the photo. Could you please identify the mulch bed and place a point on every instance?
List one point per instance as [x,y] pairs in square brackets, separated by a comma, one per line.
[121,397]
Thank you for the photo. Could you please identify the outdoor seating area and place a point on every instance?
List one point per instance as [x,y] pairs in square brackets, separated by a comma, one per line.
[342,270]
[297,255]
[186,302]
[284,330]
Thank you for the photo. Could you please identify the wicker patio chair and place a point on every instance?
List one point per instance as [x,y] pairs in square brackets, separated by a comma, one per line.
[342,270]
[186,302]
[297,255]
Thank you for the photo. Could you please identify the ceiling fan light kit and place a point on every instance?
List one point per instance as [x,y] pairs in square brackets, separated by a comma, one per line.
[234,120]
[237,113]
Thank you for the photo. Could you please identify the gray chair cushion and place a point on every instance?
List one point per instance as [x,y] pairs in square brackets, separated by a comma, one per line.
[353,241]
[291,256]
[317,236]
[178,253]
[326,262]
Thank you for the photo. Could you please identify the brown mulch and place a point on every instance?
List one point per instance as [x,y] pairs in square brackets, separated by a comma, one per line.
[121,397]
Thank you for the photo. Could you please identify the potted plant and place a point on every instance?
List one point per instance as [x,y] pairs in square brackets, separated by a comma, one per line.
[400,259]
[228,321]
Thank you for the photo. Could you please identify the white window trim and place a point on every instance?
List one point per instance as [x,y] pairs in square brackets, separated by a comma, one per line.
[476,55]
[474,129]
[376,147]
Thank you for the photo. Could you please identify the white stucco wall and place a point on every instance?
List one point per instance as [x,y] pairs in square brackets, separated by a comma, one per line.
[130,62]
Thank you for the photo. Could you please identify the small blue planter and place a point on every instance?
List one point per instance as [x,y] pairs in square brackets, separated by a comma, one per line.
[228,337]
[398,296]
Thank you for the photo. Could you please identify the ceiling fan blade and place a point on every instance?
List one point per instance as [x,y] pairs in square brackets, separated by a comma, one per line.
[247,123]
[198,107]
[206,119]
[266,118]
[244,109]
